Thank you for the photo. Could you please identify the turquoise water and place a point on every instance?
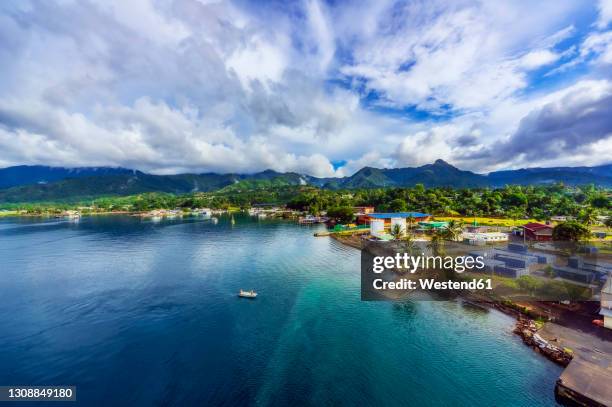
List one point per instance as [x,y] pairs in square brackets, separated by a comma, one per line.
[139,313]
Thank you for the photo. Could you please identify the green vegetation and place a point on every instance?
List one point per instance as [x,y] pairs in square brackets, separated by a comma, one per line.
[571,231]
[397,232]
[344,214]
[505,206]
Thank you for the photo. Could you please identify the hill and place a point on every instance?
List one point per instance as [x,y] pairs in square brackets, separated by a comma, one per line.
[39,183]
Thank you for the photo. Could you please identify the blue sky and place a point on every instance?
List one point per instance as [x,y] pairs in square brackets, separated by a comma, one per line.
[316,87]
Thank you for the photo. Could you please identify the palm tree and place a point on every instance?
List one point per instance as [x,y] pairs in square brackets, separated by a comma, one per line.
[588,216]
[410,223]
[397,232]
[436,244]
[409,243]
[453,230]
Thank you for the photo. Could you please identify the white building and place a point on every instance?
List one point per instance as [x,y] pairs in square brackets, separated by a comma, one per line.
[377,228]
[486,237]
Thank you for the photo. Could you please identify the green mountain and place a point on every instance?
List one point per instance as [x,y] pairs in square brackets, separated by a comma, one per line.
[38,183]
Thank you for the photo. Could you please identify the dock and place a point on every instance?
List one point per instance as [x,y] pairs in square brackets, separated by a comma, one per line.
[586,382]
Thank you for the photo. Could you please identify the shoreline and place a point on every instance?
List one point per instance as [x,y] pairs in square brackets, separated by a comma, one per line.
[582,352]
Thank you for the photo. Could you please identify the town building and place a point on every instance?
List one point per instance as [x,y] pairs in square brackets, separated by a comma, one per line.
[477,238]
[537,231]
[363,210]
[381,224]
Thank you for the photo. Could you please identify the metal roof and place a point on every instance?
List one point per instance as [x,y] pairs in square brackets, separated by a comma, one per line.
[398,215]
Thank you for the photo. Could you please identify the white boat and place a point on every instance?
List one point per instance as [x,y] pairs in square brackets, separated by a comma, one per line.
[247,294]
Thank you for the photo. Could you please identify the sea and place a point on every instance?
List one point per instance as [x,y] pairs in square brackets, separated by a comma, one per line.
[136,312]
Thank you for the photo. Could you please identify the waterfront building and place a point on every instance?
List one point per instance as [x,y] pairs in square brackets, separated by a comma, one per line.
[382,223]
[377,228]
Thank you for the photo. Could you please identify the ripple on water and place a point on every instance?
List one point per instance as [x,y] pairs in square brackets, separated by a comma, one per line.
[151,310]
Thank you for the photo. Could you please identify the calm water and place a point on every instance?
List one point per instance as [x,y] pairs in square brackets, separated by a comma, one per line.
[135,312]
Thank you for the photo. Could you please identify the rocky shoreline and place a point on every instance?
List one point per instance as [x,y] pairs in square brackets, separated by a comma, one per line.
[528,331]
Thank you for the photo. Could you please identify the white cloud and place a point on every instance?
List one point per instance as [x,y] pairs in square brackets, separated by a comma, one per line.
[538,58]
[172,86]
[605,13]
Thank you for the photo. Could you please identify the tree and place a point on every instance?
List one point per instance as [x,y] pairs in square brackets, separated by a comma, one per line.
[341,213]
[397,232]
[608,222]
[529,283]
[398,205]
[588,216]
[436,244]
[570,231]
[600,201]
[453,230]
[409,243]
[409,223]
[515,214]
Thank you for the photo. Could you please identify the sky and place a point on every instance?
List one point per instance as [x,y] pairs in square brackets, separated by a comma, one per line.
[315,87]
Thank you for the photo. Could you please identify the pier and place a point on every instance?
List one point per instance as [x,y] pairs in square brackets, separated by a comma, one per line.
[586,382]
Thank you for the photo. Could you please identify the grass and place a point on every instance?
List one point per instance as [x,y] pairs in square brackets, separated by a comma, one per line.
[484,221]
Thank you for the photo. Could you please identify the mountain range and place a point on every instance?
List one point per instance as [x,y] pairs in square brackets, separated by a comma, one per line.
[42,183]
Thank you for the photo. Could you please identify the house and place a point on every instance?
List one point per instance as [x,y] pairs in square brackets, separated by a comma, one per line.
[606,303]
[537,231]
[363,210]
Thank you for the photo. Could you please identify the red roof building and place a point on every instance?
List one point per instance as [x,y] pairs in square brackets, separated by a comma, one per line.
[537,231]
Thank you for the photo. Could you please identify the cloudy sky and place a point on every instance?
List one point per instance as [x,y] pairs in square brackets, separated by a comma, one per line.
[314,87]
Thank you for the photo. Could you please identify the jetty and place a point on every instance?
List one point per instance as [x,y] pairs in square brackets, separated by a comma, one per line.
[586,382]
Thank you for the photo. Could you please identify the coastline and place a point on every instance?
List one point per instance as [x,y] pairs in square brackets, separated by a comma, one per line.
[580,382]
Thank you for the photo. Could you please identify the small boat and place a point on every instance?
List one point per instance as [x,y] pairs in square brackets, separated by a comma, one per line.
[247,294]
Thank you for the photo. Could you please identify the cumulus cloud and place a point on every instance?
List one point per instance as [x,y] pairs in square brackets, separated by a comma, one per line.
[576,127]
[196,86]
[605,13]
